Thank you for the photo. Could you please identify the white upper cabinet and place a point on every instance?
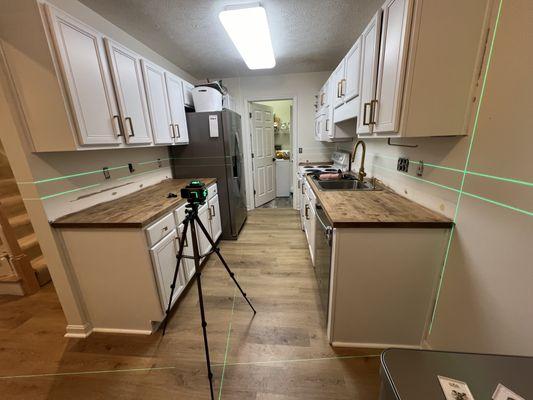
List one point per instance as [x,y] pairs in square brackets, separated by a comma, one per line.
[177,108]
[369,62]
[385,108]
[84,67]
[337,81]
[129,87]
[156,94]
[350,86]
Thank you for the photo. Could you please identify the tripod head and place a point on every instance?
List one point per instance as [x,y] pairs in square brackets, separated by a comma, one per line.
[195,193]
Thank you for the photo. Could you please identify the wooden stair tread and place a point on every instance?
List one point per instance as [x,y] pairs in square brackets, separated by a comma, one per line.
[41,270]
[7,182]
[19,220]
[10,278]
[11,200]
[28,241]
[38,263]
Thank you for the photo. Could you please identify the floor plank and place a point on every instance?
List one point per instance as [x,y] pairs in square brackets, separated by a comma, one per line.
[280,353]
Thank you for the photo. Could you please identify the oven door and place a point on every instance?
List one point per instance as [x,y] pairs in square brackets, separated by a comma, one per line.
[323,238]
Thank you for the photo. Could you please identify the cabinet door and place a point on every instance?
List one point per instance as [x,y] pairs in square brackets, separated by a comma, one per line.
[203,243]
[85,70]
[350,87]
[164,261]
[391,69]
[177,108]
[158,107]
[214,217]
[188,264]
[369,65]
[129,87]
[336,85]
[311,232]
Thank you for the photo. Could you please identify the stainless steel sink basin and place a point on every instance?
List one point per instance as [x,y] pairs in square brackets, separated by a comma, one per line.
[347,184]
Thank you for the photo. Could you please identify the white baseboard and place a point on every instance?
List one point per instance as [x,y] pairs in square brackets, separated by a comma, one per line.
[375,345]
[79,331]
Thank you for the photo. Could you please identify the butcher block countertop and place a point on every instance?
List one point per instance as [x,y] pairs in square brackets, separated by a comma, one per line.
[376,209]
[135,210]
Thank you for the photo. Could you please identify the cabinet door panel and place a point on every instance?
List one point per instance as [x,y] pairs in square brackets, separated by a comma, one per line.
[187,264]
[164,261]
[216,224]
[352,72]
[391,69]
[85,70]
[336,85]
[177,108]
[203,243]
[129,86]
[369,65]
[156,94]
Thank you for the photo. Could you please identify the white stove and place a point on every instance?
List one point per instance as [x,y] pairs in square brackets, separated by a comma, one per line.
[340,160]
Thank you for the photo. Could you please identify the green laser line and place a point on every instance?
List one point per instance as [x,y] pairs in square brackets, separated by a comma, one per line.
[67,192]
[227,347]
[497,203]
[500,178]
[87,372]
[133,175]
[299,360]
[467,162]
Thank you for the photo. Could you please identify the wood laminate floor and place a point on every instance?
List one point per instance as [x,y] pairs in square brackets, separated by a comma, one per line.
[280,354]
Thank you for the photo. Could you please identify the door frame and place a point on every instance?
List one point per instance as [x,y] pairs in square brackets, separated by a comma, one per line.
[247,142]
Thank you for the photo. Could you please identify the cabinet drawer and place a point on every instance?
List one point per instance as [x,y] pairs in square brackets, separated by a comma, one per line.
[212,191]
[158,230]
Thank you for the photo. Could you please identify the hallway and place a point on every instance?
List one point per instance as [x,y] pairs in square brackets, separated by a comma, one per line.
[280,354]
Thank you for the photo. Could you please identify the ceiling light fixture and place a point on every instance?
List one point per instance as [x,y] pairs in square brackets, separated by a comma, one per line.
[247,27]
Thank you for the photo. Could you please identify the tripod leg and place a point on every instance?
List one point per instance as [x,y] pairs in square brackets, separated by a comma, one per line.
[175,278]
[201,301]
[217,250]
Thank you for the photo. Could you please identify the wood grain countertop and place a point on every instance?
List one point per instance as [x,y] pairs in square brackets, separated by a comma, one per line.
[135,210]
[375,209]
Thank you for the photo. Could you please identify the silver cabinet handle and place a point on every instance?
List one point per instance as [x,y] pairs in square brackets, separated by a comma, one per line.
[343,87]
[178,130]
[117,118]
[364,114]
[213,208]
[210,215]
[373,104]
[307,211]
[173,132]
[131,126]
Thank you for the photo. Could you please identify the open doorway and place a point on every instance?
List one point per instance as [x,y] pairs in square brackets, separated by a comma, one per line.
[272,143]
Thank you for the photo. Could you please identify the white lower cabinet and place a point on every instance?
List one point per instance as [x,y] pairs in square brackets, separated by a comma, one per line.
[203,215]
[187,264]
[214,217]
[163,256]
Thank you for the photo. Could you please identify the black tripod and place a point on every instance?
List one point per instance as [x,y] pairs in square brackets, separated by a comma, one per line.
[191,217]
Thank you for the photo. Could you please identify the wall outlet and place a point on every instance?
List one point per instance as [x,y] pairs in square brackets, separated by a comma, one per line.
[420,168]
[130,167]
[403,164]
[300,150]
[107,175]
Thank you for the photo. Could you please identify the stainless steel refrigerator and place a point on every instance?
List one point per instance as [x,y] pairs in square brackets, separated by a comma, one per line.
[215,151]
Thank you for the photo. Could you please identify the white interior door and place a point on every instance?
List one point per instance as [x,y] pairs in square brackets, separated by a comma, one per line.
[86,72]
[263,153]
[156,94]
[391,70]
[177,108]
[369,66]
[129,86]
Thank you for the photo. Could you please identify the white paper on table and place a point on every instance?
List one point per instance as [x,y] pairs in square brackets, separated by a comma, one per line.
[504,393]
[454,389]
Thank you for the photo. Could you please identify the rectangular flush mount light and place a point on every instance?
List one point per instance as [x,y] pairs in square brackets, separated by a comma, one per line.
[247,26]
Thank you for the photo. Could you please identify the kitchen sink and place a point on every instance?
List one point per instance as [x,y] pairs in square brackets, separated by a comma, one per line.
[347,184]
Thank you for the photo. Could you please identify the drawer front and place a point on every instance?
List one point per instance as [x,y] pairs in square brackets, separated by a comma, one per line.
[212,191]
[158,230]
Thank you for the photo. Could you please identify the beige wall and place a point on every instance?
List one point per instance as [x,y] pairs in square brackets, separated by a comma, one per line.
[486,302]
[24,51]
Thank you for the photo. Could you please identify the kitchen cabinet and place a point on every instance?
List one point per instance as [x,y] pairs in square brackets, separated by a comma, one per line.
[158,104]
[163,256]
[177,108]
[369,59]
[81,55]
[129,88]
[203,216]
[187,264]
[337,79]
[352,72]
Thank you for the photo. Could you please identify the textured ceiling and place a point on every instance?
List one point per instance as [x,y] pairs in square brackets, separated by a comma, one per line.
[307,35]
